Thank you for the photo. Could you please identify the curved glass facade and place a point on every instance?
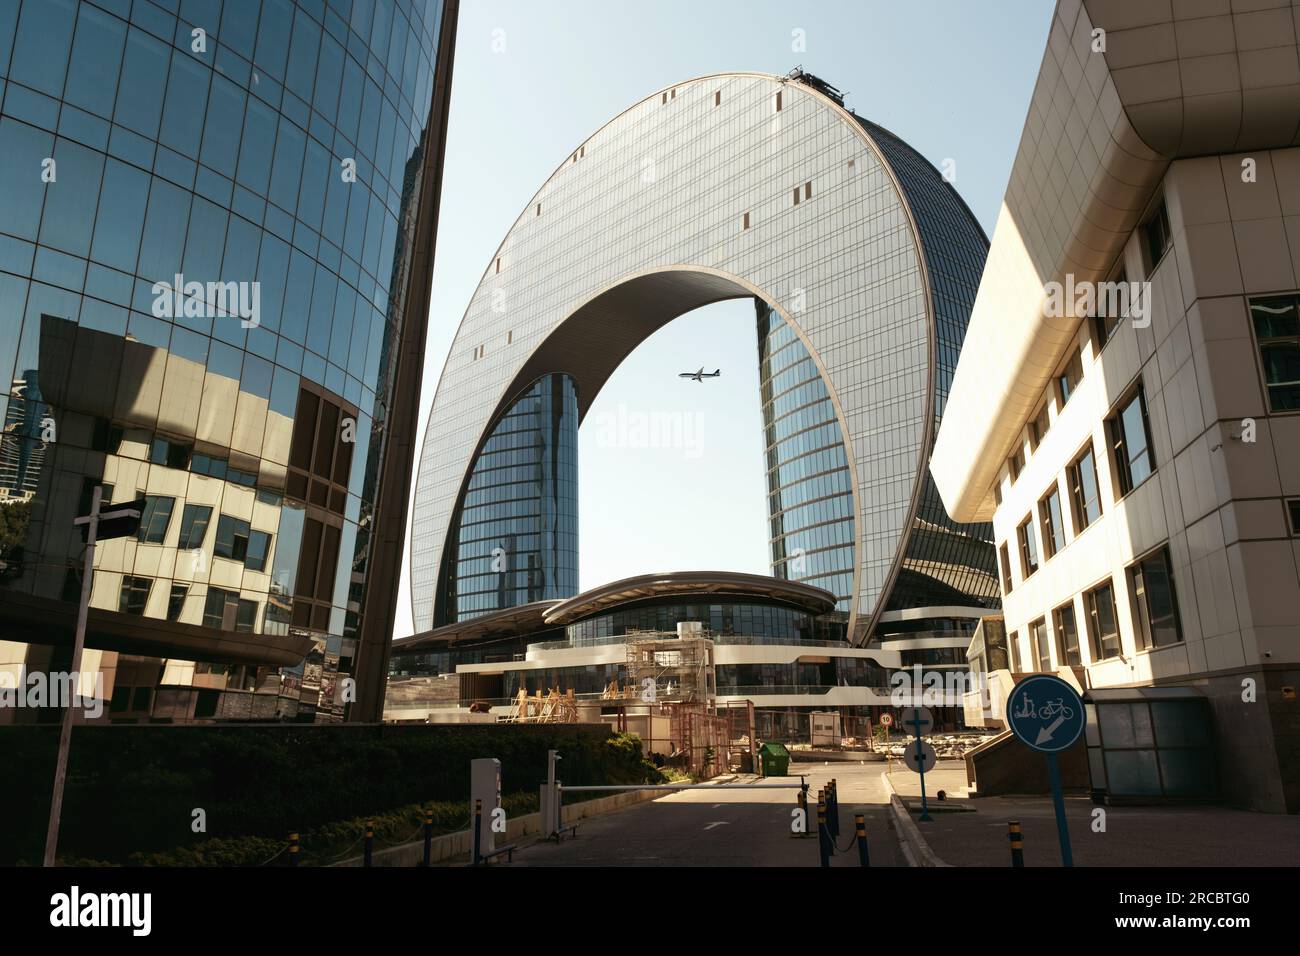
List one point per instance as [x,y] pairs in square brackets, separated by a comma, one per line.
[516,531]
[810,490]
[945,563]
[207,226]
[757,623]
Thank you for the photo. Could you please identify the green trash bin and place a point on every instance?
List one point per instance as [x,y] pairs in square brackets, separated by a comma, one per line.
[775,759]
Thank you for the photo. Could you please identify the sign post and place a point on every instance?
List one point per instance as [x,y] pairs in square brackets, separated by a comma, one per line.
[1047,715]
[921,757]
[885,721]
[115,522]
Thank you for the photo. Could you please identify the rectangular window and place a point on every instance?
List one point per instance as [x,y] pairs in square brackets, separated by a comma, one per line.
[1069,377]
[1049,516]
[153,523]
[169,453]
[1004,561]
[1067,635]
[194,526]
[1041,423]
[807,190]
[1103,622]
[1104,323]
[1157,234]
[1130,438]
[717,98]
[1040,646]
[176,602]
[1154,602]
[778,102]
[232,538]
[745,221]
[1293,509]
[1085,496]
[1016,463]
[245,616]
[134,596]
[1028,547]
[221,609]
[1277,334]
[259,545]
[1013,645]
[796,195]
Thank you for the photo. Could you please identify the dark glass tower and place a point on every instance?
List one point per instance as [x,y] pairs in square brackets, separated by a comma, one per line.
[945,563]
[810,490]
[517,530]
[209,217]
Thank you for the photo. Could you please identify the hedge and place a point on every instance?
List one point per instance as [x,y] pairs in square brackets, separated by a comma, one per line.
[132,790]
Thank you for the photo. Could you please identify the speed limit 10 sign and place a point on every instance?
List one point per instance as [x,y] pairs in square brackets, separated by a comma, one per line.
[886,720]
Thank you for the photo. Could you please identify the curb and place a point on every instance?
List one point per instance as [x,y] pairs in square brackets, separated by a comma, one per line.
[915,849]
[450,845]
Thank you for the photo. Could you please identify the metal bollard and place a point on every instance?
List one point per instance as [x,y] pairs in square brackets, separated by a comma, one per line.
[293,849]
[370,843]
[428,838]
[833,809]
[1017,847]
[823,835]
[860,821]
[478,831]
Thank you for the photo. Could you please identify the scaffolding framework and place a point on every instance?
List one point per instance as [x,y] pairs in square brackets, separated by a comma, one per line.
[554,708]
[671,669]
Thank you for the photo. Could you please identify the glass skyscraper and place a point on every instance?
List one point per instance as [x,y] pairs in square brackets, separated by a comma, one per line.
[863,262]
[517,529]
[210,297]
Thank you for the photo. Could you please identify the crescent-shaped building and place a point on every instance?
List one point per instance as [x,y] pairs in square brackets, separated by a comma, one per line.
[863,263]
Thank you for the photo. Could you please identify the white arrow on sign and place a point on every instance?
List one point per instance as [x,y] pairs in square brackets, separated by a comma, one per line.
[1045,733]
[716,823]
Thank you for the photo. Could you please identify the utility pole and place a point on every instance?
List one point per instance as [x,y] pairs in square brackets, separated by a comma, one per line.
[78,647]
[118,522]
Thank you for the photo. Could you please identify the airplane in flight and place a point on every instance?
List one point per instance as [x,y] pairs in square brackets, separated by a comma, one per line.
[701,375]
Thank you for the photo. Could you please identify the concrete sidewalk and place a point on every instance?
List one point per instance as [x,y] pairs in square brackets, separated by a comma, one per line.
[1133,836]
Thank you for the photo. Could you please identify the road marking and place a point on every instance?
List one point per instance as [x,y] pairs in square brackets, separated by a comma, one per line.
[718,823]
[716,805]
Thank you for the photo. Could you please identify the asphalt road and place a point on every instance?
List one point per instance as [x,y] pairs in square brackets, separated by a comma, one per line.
[727,827]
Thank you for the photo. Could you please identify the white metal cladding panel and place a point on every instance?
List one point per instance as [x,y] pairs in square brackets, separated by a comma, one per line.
[665,186]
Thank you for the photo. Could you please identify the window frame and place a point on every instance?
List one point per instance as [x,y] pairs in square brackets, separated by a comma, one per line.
[1048,523]
[1004,566]
[1120,442]
[1029,556]
[1065,388]
[1040,642]
[185,542]
[1273,341]
[1096,647]
[1159,218]
[1065,655]
[145,533]
[130,588]
[1078,500]
[1136,576]
[235,553]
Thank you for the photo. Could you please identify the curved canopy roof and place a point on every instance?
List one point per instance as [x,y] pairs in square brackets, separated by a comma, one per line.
[709,584]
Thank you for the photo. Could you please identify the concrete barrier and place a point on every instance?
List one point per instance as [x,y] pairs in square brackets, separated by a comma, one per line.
[451,845]
[915,849]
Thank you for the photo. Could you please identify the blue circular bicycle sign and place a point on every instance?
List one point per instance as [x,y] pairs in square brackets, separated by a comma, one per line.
[1046,713]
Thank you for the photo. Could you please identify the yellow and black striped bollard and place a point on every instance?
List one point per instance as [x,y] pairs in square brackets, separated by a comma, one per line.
[1017,846]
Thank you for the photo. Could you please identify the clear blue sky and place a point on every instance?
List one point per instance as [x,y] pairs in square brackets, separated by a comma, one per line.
[953,78]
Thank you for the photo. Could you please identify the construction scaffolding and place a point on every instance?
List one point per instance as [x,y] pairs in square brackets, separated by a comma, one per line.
[554,708]
[674,669]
